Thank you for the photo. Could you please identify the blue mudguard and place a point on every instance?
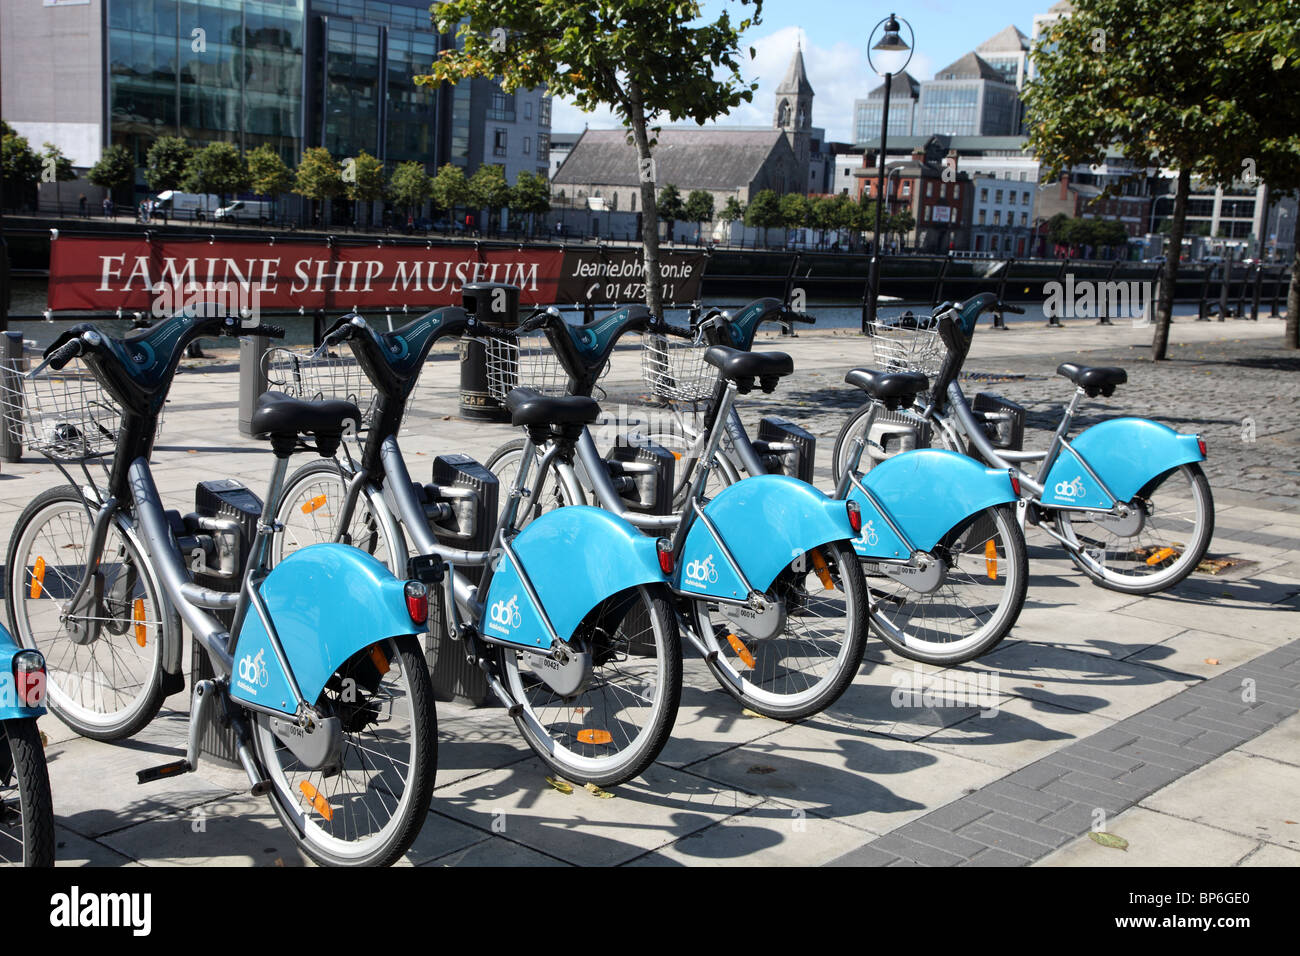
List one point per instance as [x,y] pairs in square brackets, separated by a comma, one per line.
[766,522]
[574,558]
[1125,453]
[326,602]
[10,707]
[927,492]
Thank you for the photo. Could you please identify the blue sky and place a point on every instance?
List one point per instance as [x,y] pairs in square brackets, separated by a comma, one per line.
[834,36]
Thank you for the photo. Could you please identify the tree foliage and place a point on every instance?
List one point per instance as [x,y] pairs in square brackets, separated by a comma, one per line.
[645,59]
[268,174]
[318,176]
[450,188]
[410,185]
[699,206]
[114,170]
[21,167]
[216,168]
[165,163]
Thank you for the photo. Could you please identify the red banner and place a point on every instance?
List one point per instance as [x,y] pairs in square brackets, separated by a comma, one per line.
[159,275]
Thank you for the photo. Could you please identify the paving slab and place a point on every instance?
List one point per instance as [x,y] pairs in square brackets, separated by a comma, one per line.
[1155,840]
[1020,732]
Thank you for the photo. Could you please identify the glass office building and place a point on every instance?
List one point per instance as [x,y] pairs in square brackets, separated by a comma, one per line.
[291,73]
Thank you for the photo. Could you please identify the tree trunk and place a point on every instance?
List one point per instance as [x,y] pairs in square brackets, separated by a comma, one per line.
[649,203]
[1169,277]
[1291,339]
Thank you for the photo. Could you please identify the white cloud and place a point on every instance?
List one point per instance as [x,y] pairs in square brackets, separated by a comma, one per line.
[839,74]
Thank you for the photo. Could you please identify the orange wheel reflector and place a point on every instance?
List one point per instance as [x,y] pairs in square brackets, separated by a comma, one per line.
[1161,555]
[317,800]
[38,578]
[677,456]
[991,560]
[309,506]
[590,736]
[380,661]
[137,614]
[741,650]
[823,572]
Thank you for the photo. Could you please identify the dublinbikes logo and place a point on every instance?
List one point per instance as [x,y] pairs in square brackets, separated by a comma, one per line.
[1070,489]
[505,614]
[253,672]
[700,573]
[868,534]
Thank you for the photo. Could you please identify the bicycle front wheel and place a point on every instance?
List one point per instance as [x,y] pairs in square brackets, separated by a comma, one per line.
[369,810]
[804,656]
[962,607]
[614,725]
[104,656]
[1161,542]
[545,493]
[26,810]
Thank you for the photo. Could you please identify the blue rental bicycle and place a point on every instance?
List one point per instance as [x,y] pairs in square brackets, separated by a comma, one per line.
[310,676]
[26,809]
[1126,498]
[568,617]
[943,557]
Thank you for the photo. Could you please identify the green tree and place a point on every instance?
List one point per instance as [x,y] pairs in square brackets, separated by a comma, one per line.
[363,181]
[114,170]
[489,190]
[1269,30]
[165,163]
[216,168]
[764,212]
[1156,79]
[795,210]
[450,189]
[530,196]
[20,166]
[900,224]
[410,186]
[671,208]
[268,174]
[318,177]
[645,60]
[699,207]
[56,168]
[732,210]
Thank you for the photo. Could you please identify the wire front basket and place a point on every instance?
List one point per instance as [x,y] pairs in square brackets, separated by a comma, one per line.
[302,374]
[526,361]
[65,415]
[907,346]
[675,370]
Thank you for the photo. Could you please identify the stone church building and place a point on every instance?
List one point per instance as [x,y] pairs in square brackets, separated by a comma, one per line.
[600,174]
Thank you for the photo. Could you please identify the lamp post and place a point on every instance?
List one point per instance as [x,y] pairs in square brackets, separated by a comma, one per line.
[1151,227]
[892,55]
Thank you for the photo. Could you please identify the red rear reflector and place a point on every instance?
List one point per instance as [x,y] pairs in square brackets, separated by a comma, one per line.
[1201,444]
[855,516]
[417,601]
[664,548]
[1015,484]
[29,676]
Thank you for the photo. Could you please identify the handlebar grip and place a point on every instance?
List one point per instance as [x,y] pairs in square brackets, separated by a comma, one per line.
[1012,309]
[267,331]
[803,317]
[663,328]
[63,354]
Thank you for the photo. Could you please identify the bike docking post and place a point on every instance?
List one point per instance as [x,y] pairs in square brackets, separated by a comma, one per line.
[11,395]
[936,293]
[1241,293]
[1258,291]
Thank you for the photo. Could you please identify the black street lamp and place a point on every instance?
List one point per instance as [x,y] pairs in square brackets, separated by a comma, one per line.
[892,54]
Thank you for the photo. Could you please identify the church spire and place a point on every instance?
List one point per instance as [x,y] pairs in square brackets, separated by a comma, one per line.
[796,77]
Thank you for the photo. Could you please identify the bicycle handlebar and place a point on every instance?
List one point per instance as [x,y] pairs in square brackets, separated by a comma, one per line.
[57,358]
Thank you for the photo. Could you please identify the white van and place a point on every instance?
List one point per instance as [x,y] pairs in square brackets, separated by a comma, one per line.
[186,206]
[245,210]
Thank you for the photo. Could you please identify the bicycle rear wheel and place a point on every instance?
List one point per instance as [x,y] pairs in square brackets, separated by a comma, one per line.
[308,512]
[1160,544]
[103,658]
[958,612]
[370,810]
[617,722]
[800,661]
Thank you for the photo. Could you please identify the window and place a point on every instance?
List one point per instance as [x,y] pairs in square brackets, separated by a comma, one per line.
[503,107]
[997,217]
[498,142]
[984,195]
[997,197]
[543,146]
[1024,219]
[631,204]
[528,145]
[907,187]
[1024,177]
[528,109]
[929,189]
[981,217]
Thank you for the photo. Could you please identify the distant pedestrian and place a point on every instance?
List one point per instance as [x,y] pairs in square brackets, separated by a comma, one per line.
[108,208]
[81,205]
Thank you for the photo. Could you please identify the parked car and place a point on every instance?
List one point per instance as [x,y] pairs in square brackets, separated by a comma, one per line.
[245,210]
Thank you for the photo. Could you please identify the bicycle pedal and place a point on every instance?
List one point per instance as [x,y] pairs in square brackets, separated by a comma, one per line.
[173,769]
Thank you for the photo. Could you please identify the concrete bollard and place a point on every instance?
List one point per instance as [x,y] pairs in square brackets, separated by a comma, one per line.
[11,397]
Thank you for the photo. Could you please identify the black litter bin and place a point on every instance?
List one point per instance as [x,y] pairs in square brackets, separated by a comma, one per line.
[493,304]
